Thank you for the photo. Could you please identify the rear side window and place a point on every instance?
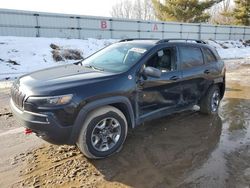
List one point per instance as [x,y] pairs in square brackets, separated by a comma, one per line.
[209,56]
[190,57]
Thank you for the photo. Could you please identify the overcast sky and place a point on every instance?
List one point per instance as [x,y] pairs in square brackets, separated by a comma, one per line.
[83,7]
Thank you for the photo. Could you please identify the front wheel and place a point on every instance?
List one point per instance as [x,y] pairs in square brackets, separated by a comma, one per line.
[103,133]
[211,101]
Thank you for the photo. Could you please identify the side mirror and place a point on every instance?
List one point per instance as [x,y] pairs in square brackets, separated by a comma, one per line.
[152,72]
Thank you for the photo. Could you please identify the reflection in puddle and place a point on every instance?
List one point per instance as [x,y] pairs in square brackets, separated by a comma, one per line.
[163,150]
[235,114]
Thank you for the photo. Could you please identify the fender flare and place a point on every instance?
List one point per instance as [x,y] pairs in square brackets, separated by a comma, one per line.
[216,81]
[95,104]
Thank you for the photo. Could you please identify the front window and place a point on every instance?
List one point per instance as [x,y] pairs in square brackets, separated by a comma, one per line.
[163,60]
[118,57]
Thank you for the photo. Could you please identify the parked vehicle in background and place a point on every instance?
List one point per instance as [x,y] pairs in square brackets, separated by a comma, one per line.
[92,103]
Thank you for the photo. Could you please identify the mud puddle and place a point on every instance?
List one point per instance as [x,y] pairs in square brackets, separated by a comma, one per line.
[225,163]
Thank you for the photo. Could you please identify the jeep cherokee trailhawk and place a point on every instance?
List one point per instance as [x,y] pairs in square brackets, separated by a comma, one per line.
[92,103]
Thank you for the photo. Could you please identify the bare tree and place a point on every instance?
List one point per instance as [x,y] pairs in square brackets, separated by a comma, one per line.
[138,9]
[222,13]
[122,9]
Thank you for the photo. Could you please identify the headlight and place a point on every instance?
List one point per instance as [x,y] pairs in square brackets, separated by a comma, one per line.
[50,100]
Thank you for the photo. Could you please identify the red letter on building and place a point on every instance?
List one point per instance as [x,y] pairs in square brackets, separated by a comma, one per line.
[104,24]
[155,27]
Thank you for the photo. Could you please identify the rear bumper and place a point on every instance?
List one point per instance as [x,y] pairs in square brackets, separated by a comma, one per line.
[44,125]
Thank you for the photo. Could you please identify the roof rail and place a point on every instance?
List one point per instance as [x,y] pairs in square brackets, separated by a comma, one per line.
[168,40]
[131,39]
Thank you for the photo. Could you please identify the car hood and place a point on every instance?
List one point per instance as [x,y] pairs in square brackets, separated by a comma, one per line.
[60,77]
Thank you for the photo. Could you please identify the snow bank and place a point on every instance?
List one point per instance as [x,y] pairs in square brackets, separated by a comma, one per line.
[21,55]
[231,49]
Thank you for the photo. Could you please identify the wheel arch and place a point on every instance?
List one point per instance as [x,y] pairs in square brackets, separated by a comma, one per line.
[222,88]
[220,83]
[120,102]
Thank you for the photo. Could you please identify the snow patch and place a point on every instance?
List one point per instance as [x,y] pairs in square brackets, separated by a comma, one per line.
[231,49]
[21,55]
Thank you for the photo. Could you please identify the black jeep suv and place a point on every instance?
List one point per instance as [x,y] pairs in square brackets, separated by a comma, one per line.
[92,103]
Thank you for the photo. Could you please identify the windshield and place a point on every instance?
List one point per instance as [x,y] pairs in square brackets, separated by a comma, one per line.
[118,57]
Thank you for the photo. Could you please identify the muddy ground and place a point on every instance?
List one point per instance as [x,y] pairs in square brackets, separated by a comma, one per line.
[182,150]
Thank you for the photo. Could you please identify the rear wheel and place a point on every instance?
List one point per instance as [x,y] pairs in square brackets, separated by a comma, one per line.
[103,133]
[211,101]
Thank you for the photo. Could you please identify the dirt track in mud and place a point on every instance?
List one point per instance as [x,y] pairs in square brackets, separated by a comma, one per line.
[181,150]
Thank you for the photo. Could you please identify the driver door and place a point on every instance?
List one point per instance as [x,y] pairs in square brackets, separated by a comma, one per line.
[160,94]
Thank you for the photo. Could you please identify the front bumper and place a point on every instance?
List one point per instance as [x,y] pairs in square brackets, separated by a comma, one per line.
[44,125]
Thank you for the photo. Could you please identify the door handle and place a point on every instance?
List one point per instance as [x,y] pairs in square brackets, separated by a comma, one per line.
[206,71]
[174,78]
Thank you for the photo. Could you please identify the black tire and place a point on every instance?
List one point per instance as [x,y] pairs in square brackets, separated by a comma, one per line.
[89,132]
[208,104]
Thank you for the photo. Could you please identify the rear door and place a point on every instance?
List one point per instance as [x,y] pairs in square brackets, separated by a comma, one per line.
[214,67]
[193,73]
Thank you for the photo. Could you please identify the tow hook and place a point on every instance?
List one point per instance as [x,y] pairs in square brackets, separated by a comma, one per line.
[27,131]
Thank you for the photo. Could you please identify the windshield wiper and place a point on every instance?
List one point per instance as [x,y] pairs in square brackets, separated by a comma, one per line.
[93,67]
[79,62]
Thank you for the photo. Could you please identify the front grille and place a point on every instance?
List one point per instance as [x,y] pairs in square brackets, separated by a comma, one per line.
[17,96]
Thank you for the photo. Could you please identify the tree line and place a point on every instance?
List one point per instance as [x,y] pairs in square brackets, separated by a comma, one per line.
[226,12]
